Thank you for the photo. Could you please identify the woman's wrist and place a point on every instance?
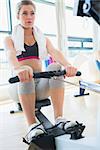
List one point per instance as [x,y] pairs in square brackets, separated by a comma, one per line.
[16,67]
[19,69]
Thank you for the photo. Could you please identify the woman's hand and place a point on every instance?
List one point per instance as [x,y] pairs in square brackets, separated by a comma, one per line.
[70,71]
[25,73]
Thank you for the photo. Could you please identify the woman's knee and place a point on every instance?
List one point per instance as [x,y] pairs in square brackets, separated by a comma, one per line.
[55,83]
[26,87]
[54,66]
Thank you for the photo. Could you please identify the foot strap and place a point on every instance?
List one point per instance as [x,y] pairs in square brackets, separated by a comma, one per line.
[75,129]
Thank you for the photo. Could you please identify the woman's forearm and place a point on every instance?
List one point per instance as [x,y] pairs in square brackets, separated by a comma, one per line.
[59,57]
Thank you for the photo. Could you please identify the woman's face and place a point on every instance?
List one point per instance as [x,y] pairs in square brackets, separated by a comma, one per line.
[27,16]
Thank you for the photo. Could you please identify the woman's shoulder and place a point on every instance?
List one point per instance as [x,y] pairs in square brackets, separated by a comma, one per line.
[8,39]
[8,42]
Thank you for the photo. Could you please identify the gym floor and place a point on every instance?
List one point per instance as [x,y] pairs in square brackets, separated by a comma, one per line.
[13,127]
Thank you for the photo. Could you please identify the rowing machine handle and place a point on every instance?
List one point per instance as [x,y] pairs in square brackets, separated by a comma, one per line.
[43,75]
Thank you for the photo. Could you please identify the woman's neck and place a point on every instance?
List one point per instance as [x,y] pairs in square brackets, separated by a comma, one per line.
[28,32]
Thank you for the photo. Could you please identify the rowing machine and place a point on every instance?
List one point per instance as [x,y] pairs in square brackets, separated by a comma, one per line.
[52,131]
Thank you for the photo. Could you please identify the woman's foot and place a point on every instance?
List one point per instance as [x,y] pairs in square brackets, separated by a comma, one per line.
[64,124]
[34,130]
[73,128]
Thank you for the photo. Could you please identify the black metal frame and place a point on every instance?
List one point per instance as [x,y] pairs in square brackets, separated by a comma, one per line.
[47,140]
[89,86]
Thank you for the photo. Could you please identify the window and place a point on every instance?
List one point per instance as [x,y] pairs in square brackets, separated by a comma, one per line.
[52,1]
[78,29]
[69,3]
[5,29]
[46,18]
[2,37]
[3,14]
[5,21]
[78,26]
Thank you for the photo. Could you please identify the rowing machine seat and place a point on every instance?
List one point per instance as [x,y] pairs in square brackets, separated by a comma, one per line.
[42,103]
[39,104]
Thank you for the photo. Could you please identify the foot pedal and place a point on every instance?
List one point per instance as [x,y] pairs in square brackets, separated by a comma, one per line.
[76,131]
[77,134]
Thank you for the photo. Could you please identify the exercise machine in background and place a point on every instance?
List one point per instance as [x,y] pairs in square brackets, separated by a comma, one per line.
[89,8]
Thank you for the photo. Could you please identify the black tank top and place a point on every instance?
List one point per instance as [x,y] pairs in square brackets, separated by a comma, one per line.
[30,53]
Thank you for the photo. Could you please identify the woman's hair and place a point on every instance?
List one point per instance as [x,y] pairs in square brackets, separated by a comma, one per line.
[24,2]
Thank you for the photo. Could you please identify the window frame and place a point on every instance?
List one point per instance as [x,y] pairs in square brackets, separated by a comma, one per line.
[9,18]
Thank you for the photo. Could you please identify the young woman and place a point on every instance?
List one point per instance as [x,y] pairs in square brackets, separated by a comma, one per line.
[26,48]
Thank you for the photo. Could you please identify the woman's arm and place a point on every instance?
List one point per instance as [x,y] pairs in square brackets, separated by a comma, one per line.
[11,53]
[25,72]
[58,56]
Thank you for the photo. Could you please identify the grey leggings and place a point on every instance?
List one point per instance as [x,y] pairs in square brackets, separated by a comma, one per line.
[41,86]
